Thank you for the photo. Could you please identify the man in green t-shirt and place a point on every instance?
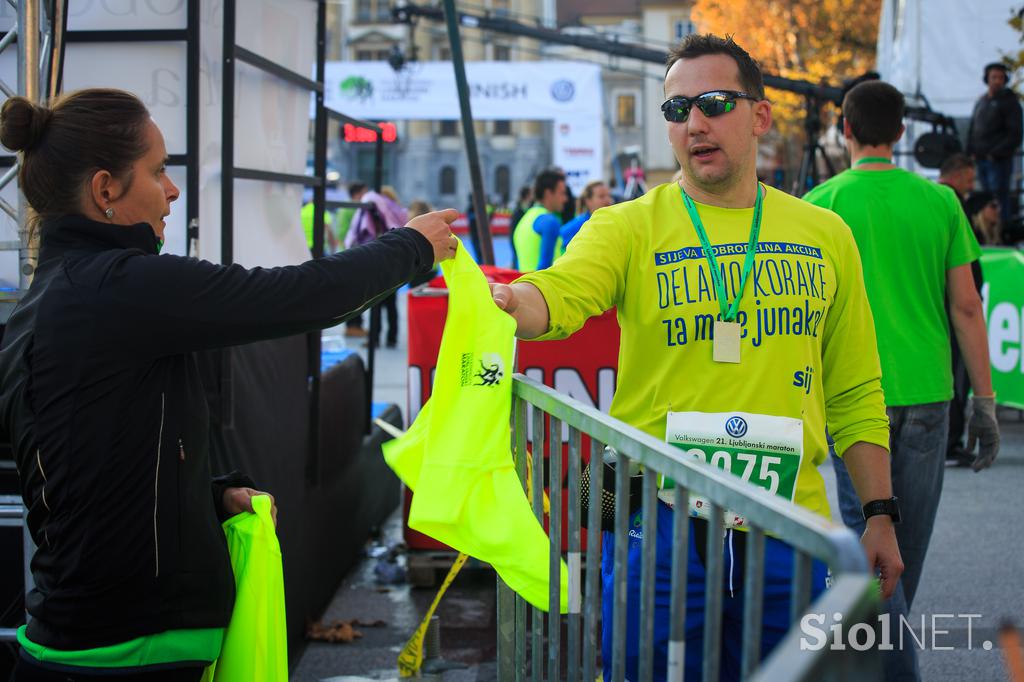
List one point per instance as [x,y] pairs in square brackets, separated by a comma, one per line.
[785,344]
[916,248]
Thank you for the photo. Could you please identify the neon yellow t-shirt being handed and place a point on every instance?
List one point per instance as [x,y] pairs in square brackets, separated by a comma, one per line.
[807,336]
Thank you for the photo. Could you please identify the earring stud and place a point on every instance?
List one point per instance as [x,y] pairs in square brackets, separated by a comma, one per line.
[109,213]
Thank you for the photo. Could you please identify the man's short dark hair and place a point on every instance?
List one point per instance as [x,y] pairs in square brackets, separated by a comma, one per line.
[546,181]
[995,66]
[355,188]
[955,163]
[701,45]
[875,112]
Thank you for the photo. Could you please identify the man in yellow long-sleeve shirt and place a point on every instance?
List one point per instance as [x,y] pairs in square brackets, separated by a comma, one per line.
[736,301]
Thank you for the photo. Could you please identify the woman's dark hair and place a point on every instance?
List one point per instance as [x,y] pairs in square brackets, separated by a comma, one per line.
[64,144]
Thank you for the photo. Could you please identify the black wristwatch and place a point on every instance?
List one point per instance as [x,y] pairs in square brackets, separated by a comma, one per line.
[876,507]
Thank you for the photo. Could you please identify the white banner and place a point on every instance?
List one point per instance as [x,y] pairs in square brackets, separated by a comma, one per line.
[577,150]
[567,93]
[498,90]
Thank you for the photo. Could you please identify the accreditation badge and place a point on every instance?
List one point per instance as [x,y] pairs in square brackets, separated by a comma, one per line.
[726,342]
[759,448]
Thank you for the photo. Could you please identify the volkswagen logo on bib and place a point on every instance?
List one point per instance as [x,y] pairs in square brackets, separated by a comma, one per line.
[736,427]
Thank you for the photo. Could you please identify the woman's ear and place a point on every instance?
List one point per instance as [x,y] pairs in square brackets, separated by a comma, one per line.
[104,189]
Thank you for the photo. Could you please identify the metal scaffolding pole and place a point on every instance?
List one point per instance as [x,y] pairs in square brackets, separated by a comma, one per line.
[28,87]
[482,228]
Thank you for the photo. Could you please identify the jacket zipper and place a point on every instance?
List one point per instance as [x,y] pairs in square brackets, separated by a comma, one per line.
[181,450]
[156,483]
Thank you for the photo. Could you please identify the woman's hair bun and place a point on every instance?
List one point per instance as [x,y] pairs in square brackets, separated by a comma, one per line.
[22,123]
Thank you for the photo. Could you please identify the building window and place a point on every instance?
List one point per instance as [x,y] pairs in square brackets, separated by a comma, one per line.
[372,54]
[364,10]
[503,127]
[625,111]
[500,8]
[447,186]
[502,53]
[503,183]
[444,53]
[449,129]
[683,28]
[373,11]
[366,161]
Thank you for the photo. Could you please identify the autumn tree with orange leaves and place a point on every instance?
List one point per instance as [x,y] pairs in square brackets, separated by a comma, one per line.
[821,41]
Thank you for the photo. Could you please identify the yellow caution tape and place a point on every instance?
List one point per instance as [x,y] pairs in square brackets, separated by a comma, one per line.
[411,659]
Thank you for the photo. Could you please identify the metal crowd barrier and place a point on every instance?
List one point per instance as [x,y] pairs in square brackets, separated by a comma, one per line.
[524,651]
[12,514]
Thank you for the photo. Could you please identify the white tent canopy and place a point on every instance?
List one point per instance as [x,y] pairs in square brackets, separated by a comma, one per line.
[938,48]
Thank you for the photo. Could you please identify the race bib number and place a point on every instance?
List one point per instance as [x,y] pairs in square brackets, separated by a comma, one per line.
[760,449]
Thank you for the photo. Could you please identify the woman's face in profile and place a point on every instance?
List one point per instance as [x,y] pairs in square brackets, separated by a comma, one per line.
[149,196]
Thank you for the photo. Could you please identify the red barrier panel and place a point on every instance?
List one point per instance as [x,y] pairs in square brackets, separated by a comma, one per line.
[583,366]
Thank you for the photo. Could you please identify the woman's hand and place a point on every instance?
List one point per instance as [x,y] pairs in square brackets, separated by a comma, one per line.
[238,500]
[436,226]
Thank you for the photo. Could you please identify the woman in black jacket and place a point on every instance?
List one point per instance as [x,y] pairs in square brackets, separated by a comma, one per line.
[102,400]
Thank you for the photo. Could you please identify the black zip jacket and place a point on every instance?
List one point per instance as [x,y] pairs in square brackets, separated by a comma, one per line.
[996,126]
[102,400]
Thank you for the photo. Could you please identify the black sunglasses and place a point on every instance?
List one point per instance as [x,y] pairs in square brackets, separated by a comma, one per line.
[711,104]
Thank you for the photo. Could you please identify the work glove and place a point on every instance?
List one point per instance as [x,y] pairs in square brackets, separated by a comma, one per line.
[983,428]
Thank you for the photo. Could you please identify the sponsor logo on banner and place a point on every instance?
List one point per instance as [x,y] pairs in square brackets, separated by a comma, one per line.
[563,90]
[356,87]
[736,427]
[484,369]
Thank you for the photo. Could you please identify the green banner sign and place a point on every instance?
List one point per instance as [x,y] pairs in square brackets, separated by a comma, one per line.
[1003,298]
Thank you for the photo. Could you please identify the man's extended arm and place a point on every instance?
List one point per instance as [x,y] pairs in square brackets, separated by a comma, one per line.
[968,318]
[868,465]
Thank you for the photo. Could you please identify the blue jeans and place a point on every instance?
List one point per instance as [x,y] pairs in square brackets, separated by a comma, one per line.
[994,175]
[778,559]
[917,445]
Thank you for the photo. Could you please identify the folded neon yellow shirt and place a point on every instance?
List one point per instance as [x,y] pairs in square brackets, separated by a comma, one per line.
[457,454]
[255,643]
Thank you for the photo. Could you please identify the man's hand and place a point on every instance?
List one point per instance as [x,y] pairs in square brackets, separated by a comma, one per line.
[436,227]
[505,297]
[983,428]
[238,500]
[879,541]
